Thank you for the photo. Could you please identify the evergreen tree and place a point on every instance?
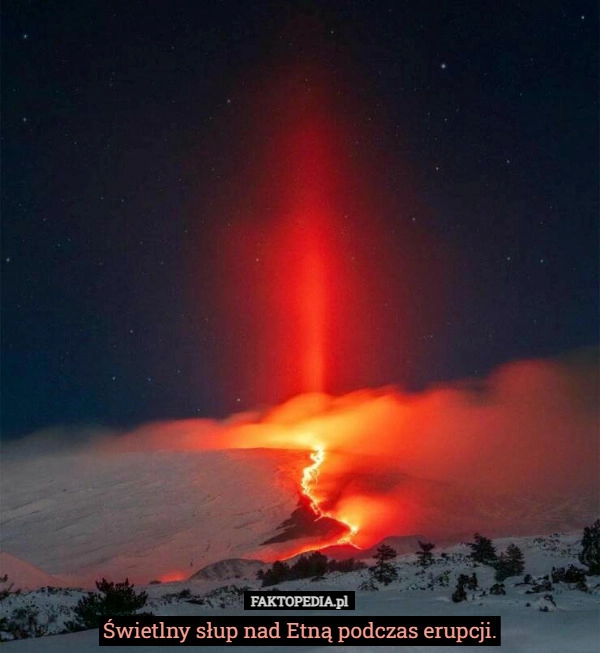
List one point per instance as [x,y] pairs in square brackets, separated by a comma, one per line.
[384,571]
[482,550]
[309,566]
[590,548]
[345,566]
[111,600]
[425,555]
[510,563]
[278,573]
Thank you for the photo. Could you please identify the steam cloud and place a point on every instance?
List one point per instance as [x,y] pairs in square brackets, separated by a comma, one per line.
[404,463]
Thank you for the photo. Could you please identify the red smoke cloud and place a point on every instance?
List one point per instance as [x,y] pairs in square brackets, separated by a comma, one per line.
[306,315]
[404,463]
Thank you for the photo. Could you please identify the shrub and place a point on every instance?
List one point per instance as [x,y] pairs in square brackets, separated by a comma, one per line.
[590,548]
[23,623]
[472,583]
[345,566]
[7,588]
[460,593]
[540,585]
[425,555]
[111,600]
[368,585]
[571,574]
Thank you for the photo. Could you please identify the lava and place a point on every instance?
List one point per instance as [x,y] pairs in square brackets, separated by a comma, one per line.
[310,477]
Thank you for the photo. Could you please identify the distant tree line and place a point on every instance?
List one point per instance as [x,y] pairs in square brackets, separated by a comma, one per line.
[311,566]
[511,563]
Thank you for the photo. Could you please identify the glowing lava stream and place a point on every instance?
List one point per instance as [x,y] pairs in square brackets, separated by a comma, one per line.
[310,477]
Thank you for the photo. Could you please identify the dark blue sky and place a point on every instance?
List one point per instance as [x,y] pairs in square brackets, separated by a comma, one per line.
[129,140]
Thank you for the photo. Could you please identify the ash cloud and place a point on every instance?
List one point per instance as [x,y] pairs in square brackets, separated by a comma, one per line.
[460,456]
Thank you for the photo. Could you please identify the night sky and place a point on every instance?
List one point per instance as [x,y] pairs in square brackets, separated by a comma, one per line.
[135,155]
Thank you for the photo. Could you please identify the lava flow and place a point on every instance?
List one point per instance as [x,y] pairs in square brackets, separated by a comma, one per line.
[310,477]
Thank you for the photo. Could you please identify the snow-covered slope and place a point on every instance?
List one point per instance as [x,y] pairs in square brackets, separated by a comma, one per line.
[568,622]
[24,575]
[164,515]
[145,515]
[236,568]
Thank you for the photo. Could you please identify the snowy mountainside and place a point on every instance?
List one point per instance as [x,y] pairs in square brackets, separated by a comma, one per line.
[145,515]
[24,575]
[235,568]
[165,514]
[562,619]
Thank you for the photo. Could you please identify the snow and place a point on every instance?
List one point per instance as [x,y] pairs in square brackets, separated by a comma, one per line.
[24,575]
[72,517]
[572,626]
[145,515]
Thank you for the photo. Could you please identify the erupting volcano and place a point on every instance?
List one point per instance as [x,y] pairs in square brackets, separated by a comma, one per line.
[309,182]
[307,277]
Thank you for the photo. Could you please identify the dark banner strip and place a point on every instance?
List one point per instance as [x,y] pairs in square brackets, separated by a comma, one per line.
[300,631]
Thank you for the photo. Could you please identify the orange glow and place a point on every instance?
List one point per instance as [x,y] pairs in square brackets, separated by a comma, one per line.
[388,463]
[172,577]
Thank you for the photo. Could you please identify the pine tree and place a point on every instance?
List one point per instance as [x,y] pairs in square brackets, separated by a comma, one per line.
[111,600]
[384,571]
[309,566]
[482,550]
[279,572]
[425,555]
[510,563]
[590,548]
